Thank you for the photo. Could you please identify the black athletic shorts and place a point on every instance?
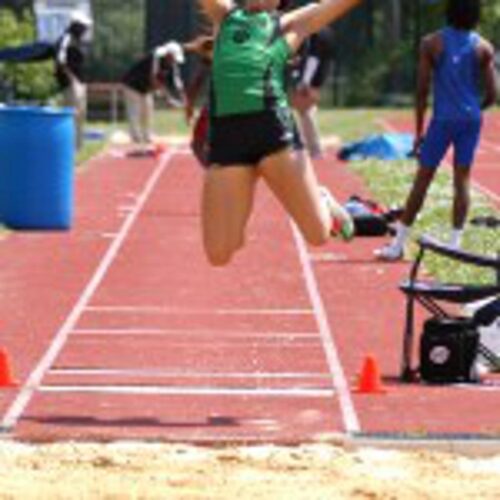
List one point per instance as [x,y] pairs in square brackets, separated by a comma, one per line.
[249,138]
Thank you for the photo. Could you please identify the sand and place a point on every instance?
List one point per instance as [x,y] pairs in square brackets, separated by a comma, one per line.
[130,470]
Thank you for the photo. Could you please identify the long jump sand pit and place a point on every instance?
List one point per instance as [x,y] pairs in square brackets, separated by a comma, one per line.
[131,470]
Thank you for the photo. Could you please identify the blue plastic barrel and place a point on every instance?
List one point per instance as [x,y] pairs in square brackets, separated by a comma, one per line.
[37,154]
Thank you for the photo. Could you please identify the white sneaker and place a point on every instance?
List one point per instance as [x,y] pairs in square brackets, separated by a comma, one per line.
[389,253]
[342,223]
[454,244]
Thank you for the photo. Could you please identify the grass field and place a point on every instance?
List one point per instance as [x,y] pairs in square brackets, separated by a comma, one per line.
[388,183]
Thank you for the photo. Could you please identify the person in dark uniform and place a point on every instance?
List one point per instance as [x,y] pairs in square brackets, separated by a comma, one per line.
[312,70]
[68,54]
[203,48]
[69,60]
[157,70]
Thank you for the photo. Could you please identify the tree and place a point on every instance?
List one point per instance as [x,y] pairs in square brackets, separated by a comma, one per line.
[118,37]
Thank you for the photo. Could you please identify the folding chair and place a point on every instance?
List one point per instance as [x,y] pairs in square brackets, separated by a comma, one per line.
[431,293]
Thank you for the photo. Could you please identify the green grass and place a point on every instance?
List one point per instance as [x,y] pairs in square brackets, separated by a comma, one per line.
[89,149]
[389,183]
[170,122]
[349,124]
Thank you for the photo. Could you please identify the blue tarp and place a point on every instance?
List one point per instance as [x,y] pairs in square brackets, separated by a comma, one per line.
[33,52]
[380,146]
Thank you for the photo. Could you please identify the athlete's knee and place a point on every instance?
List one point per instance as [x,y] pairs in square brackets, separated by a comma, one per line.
[218,257]
[317,237]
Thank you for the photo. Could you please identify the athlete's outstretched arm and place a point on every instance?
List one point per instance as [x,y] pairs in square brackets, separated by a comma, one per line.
[216,10]
[300,23]
[487,63]
[424,79]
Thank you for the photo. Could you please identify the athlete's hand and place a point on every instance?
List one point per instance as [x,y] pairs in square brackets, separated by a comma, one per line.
[189,111]
[202,45]
[301,98]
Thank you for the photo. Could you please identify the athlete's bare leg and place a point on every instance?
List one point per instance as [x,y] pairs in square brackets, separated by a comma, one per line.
[228,194]
[291,177]
[461,195]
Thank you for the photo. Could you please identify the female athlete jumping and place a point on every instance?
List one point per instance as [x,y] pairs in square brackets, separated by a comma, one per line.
[251,129]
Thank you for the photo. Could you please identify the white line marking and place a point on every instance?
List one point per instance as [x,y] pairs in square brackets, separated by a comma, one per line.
[487,192]
[190,333]
[386,125]
[195,346]
[180,374]
[33,382]
[237,343]
[489,144]
[338,379]
[189,391]
[126,208]
[181,310]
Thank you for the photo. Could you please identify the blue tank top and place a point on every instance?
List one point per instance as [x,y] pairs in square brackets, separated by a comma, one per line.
[456,77]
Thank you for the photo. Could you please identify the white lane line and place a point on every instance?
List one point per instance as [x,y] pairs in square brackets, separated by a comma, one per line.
[188,391]
[238,334]
[217,345]
[350,418]
[180,310]
[487,192]
[489,144]
[386,125]
[33,382]
[180,374]
[476,185]
[126,331]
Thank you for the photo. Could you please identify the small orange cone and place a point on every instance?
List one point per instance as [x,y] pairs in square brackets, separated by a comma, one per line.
[6,378]
[369,381]
[160,148]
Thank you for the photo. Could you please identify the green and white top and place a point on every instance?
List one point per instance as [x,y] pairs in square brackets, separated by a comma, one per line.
[248,70]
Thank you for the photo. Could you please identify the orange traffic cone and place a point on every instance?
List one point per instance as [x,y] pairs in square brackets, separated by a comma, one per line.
[159,149]
[369,381]
[6,378]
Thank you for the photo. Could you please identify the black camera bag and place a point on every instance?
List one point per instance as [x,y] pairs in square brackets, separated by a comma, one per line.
[448,350]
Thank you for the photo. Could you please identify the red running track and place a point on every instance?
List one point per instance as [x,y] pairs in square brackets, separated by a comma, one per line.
[119,329]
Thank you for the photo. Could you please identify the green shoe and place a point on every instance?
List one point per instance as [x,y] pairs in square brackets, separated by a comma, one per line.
[342,223]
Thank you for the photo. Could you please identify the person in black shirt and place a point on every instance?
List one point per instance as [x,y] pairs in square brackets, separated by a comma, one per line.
[68,55]
[159,69]
[69,60]
[311,72]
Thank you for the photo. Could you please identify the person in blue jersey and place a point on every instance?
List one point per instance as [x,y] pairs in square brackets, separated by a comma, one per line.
[457,60]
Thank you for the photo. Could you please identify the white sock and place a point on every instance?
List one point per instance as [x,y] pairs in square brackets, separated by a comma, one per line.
[456,238]
[402,233]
